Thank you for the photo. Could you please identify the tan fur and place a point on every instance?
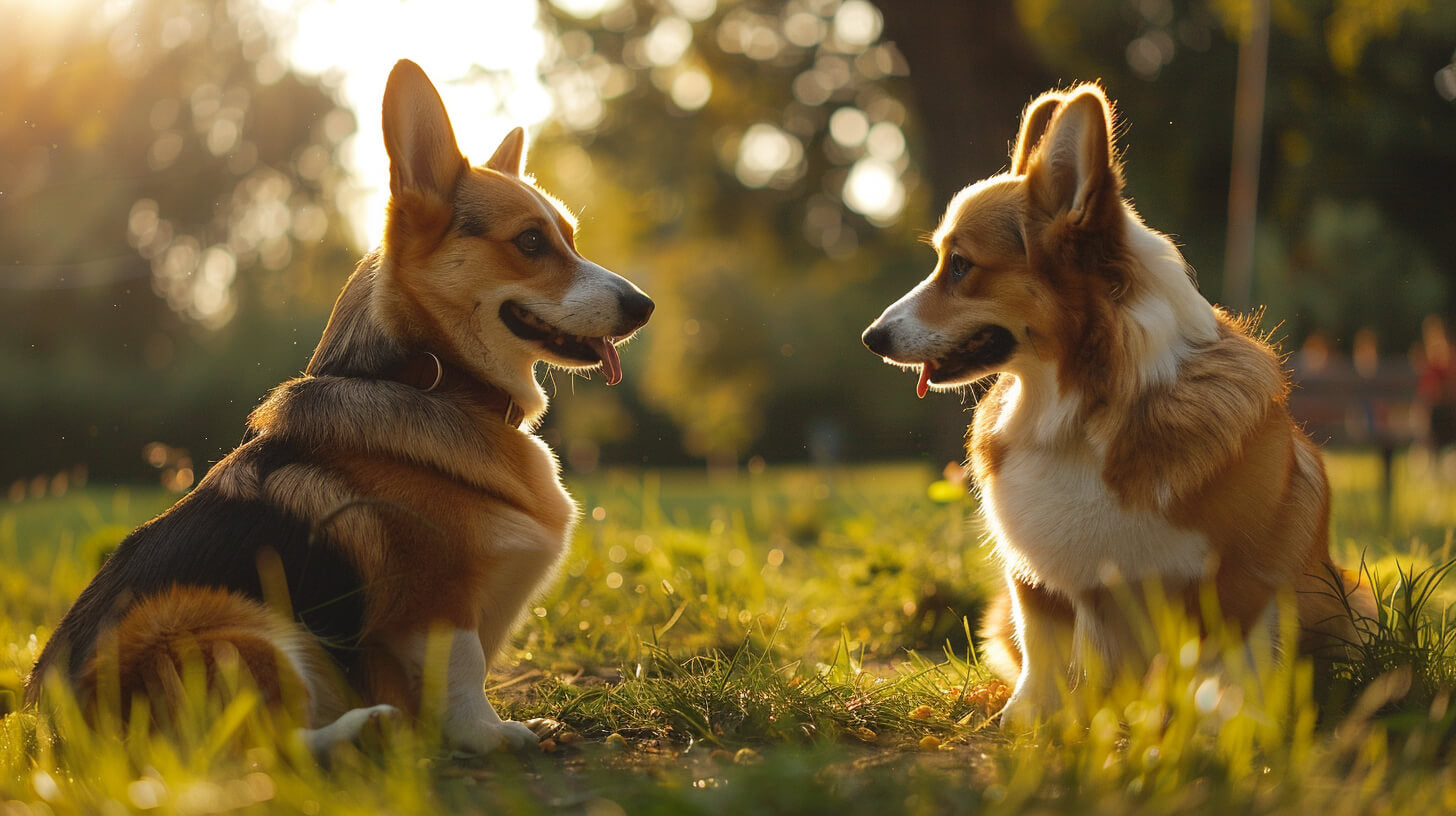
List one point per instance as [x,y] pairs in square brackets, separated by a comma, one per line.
[401,512]
[149,651]
[1136,433]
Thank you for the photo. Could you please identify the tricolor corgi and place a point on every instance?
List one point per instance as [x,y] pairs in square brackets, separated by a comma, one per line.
[394,492]
[1135,434]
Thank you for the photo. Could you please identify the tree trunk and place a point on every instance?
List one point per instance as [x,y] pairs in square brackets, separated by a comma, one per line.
[972,70]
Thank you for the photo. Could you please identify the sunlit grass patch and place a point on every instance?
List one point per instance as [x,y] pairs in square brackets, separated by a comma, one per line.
[748,698]
[805,553]
[793,639]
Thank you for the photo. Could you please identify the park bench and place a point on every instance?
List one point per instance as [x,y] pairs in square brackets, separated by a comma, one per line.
[1343,408]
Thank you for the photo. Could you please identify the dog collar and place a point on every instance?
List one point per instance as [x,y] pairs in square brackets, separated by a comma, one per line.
[427,372]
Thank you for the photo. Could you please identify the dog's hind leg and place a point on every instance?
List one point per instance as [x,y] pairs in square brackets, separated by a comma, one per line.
[348,728]
[1335,605]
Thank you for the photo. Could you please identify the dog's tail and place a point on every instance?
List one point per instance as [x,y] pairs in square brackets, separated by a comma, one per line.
[193,632]
[1332,601]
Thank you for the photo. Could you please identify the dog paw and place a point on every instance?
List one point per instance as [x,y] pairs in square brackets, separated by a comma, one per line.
[380,714]
[489,737]
[358,721]
[1021,712]
[353,726]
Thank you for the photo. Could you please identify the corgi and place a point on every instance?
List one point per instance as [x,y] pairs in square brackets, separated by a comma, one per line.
[1135,433]
[395,494]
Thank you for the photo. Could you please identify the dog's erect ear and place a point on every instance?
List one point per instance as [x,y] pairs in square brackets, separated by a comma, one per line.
[1034,121]
[1071,170]
[423,156]
[510,157]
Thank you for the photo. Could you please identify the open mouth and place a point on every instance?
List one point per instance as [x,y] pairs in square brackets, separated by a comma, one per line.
[562,345]
[978,355]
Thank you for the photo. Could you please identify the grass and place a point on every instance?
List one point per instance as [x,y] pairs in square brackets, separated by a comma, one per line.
[792,640]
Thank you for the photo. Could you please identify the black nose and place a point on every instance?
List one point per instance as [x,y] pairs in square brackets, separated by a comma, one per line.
[637,307]
[878,339]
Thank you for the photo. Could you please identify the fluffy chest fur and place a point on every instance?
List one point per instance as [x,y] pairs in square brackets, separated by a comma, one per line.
[1056,522]
[1168,476]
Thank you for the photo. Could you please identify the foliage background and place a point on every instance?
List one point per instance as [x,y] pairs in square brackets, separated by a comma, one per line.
[171,236]
[173,231]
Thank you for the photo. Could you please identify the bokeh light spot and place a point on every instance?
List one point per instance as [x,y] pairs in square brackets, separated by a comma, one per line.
[874,190]
[765,152]
[695,10]
[691,90]
[885,141]
[849,126]
[668,41]
[857,23]
[585,9]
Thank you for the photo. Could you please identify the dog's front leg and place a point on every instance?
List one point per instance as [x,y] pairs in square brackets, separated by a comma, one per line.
[1106,642]
[1044,623]
[470,723]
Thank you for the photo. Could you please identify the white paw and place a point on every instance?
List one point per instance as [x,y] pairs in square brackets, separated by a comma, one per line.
[1018,714]
[349,727]
[1025,708]
[482,737]
[376,715]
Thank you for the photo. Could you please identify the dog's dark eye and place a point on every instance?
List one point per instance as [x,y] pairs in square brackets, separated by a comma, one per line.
[531,243]
[960,266]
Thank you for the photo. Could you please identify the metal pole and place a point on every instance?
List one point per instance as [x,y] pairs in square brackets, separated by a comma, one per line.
[1243,203]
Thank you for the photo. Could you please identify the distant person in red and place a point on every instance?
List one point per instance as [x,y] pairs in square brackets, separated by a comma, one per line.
[1436,387]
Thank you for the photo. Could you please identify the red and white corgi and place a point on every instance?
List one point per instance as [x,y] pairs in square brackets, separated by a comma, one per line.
[1136,433]
[392,493]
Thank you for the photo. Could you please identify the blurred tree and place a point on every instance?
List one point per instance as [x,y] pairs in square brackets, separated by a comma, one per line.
[762,167]
[161,170]
[972,69]
[747,163]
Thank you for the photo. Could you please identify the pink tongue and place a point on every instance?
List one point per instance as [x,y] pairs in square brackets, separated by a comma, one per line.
[926,369]
[611,363]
